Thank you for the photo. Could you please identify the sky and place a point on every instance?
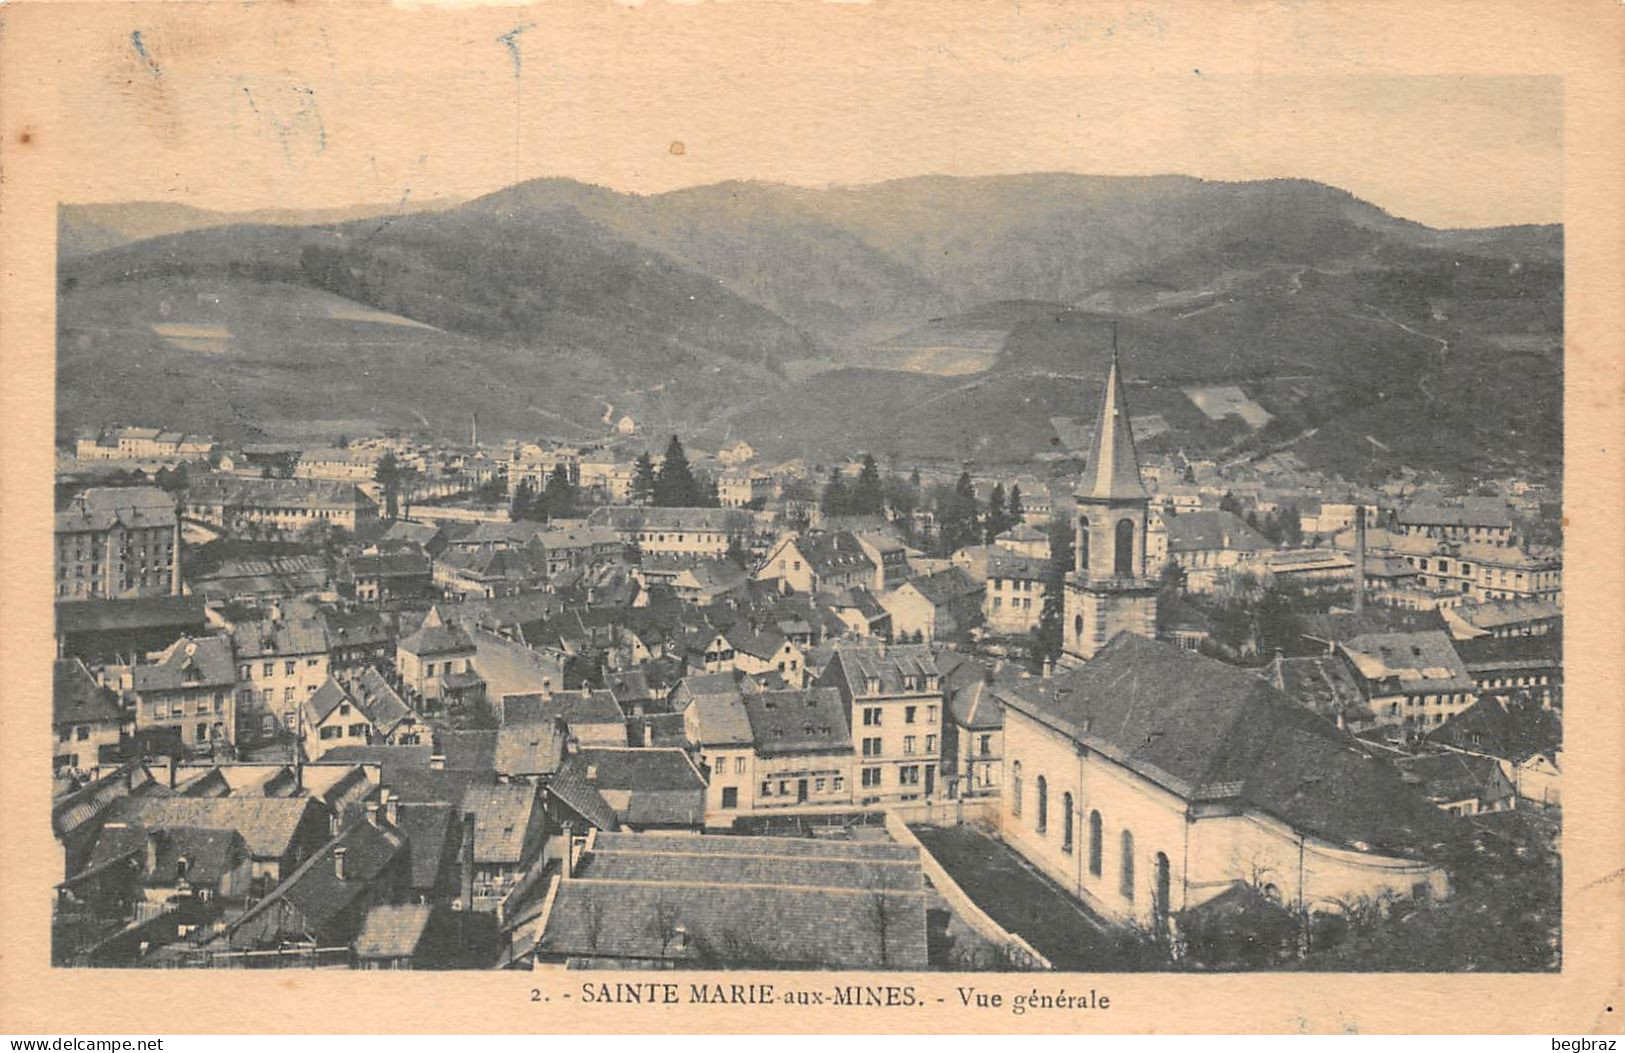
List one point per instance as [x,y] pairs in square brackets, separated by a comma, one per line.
[314,106]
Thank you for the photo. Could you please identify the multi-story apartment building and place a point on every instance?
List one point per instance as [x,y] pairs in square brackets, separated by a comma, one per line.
[894,700]
[282,505]
[677,531]
[190,687]
[279,665]
[344,466]
[118,542]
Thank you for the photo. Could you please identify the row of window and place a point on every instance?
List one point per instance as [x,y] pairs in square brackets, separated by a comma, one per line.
[911,743]
[1017,603]
[1125,877]
[873,716]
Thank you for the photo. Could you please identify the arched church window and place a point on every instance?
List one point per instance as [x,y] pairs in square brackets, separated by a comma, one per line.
[1094,842]
[1123,564]
[1015,788]
[1043,805]
[1083,544]
[1066,823]
[1125,877]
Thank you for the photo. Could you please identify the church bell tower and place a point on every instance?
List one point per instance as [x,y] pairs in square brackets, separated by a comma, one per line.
[1108,592]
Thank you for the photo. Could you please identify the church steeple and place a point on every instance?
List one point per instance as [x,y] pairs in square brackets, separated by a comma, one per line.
[1113,471]
[1108,592]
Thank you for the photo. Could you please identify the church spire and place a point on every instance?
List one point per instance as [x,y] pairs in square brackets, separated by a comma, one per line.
[1113,471]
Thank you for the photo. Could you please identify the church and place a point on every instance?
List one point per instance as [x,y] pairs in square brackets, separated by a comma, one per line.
[1147,780]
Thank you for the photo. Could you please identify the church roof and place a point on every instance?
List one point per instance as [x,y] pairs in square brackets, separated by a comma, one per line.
[1211,732]
[1113,471]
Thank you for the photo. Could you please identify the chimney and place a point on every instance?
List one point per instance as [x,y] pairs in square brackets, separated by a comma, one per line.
[338,862]
[466,860]
[1359,559]
[372,813]
[155,844]
[392,809]
[679,937]
[592,773]
[569,861]
[1049,668]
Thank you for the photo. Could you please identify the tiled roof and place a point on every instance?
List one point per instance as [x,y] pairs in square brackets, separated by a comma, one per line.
[1203,729]
[807,721]
[646,787]
[132,507]
[945,587]
[76,698]
[570,786]
[719,715]
[435,637]
[209,656]
[263,639]
[315,889]
[578,709]
[976,706]
[1218,530]
[393,930]
[210,854]
[1002,563]
[428,827]
[232,491]
[1510,728]
[1479,514]
[130,615]
[400,564]
[268,824]
[629,519]
[1421,662]
[887,666]
[1323,684]
[834,554]
[1448,776]
[502,815]
[1497,614]
[742,901]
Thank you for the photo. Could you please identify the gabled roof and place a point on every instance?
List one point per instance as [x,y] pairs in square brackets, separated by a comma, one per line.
[263,639]
[209,657]
[719,715]
[1213,530]
[1113,469]
[436,637]
[976,706]
[393,930]
[1421,662]
[1323,684]
[885,666]
[1490,514]
[428,827]
[812,720]
[76,698]
[268,824]
[502,815]
[1002,563]
[830,554]
[315,889]
[103,507]
[130,615]
[1498,614]
[578,709]
[1451,776]
[647,787]
[1511,728]
[741,901]
[944,587]
[1206,730]
[210,854]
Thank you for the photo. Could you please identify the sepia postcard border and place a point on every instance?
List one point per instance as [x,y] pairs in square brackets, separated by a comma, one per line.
[1583,41]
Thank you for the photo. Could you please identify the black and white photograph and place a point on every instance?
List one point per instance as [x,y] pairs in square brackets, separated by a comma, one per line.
[885,502]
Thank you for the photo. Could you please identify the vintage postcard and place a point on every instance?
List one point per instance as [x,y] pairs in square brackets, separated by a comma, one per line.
[875,516]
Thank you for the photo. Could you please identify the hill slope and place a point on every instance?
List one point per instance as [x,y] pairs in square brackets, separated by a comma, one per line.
[962,314]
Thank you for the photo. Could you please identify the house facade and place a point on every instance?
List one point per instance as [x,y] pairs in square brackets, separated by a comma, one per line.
[118,542]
